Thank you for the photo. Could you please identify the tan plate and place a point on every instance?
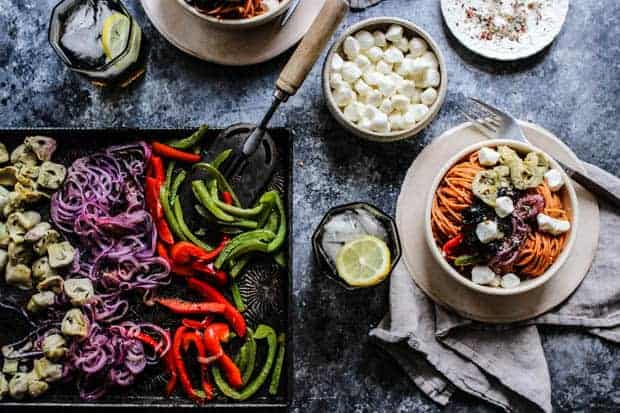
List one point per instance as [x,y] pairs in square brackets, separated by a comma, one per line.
[196,37]
[438,284]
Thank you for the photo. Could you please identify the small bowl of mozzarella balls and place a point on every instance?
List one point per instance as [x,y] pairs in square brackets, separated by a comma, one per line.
[384,79]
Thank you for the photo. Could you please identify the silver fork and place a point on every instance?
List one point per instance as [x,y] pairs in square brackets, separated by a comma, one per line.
[497,124]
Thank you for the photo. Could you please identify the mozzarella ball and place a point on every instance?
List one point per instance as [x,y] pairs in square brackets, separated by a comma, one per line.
[362,87]
[372,77]
[386,106]
[393,55]
[337,63]
[380,40]
[430,59]
[420,66]
[396,121]
[481,274]
[428,96]
[374,54]
[387,86]
[397,79]
[364,123]
[403,45]
[417,47]
[362,62]
[351,47]
[418,111]
[408,89]
[380,123]
[510,280]
[344,95]
[408,120]
[400,102]
[366,39]
[554,179]
[353,111]
[488,156]
[394,33]
[406,67]
[431,78]
[384,68]
[335,80]
[351,72]
[374,98]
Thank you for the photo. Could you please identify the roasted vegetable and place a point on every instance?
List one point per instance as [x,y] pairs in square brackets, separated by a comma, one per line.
[4,196]
[37,232]
[51,175]
[10,366]
[20,253]
[4,153]
[40,268]
[74,323]
[46,370]
[54,347]
[28,219]
[28,174]
[37,387]
[4,384]
[60,254]
[41,301]
[18,275]
[51,237]
[79,290]
[4,259]
[42,146]
[22,155]
[51,283]
[485,186]
[18,385]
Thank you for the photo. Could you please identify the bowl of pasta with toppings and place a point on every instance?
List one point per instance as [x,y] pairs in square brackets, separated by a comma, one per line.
[501,217]
[236,14]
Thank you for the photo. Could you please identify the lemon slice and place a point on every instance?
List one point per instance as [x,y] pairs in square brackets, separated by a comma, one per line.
[115,34]
[364,262]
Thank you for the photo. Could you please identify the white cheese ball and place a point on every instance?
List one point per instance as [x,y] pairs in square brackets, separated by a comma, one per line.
[482,275]
[400,102]
[488,156]
[430,58]
[418,111]
[380,40]
[351,47]
[396,121]
[374,98]
[510,280]
[335,80]
[397,79]
[487,231]
[344,95]
[384,67]
[362,61]
[420,66]
[504,206]
[362,87]
[552,225]
[417,47]
[431,78]
[353,111]
[372,77]
[408,89]
[387,87]
[429,96]
[409,120]
[394,33]
[406,67]
[386,106]
[403,45]
[336,64]
[393,55]
[351,72]
[364,123]
[554,179]
[374,54]
[380,123]
[365,38]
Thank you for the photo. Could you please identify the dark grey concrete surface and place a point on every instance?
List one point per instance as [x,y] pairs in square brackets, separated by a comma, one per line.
[572,88]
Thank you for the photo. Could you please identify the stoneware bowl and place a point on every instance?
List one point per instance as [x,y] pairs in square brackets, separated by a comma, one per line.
[410,29]
[569,199]
[239,24]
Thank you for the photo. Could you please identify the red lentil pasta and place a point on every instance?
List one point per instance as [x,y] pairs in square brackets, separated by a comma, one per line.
[455,194]
[242,9]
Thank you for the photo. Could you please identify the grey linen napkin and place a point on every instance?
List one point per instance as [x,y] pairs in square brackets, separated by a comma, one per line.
[502,364]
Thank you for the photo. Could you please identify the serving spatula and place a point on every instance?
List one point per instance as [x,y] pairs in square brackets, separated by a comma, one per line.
[252,161]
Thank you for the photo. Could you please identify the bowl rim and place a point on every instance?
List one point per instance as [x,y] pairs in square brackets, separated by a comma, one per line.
[238,23]
[396,135]
[529,284]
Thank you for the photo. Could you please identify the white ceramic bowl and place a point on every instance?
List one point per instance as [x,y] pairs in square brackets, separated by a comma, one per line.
[569,199]
[382,23]
[239,24]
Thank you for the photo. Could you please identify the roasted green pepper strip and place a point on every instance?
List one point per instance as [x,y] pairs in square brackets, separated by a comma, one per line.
[202,194]
[262,331]
[236,269]
[221,181]
[272,222]
[280,259]
[189,235]
[251,357]
[236,211]
[169,214]
[237,299]
[221,158]
[278,241]
[191,141]
[176,184]
[277,369]
[253,241]
[240,223]
[169,171]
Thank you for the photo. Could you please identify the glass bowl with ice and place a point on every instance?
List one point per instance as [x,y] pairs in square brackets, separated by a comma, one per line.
[356,245]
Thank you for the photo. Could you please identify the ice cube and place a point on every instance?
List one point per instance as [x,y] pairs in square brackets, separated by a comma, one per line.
[371,224]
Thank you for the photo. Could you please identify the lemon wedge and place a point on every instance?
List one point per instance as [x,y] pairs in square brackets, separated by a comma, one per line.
[364,262]
[115,34]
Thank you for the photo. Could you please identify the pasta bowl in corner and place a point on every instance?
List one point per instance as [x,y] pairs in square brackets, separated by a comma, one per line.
[501,217]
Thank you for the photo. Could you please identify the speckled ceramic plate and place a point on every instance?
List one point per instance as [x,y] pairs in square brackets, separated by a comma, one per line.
[198,38]
[439,285]
[454,12]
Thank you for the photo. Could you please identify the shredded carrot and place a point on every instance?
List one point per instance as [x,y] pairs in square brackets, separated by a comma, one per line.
[236,9]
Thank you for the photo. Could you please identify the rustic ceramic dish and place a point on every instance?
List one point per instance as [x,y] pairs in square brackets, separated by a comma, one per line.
[238,24]
[382,23]
[569,199]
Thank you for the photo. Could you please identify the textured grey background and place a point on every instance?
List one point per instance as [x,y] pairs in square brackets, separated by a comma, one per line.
[572,88]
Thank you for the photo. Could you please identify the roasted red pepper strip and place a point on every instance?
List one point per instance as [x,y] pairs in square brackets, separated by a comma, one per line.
[162,251]
[213,346]
[185,252]
[182,270]
[195,338]
[198,325]
[227,197]
[232,315]
[163,231]
[158,169]
[149,341]
[452,244]
[168,360]
[180,365]
[151,191]
[172,153]
[187,307]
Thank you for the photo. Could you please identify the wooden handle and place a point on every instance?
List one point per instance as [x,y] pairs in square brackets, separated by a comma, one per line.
[312,45]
